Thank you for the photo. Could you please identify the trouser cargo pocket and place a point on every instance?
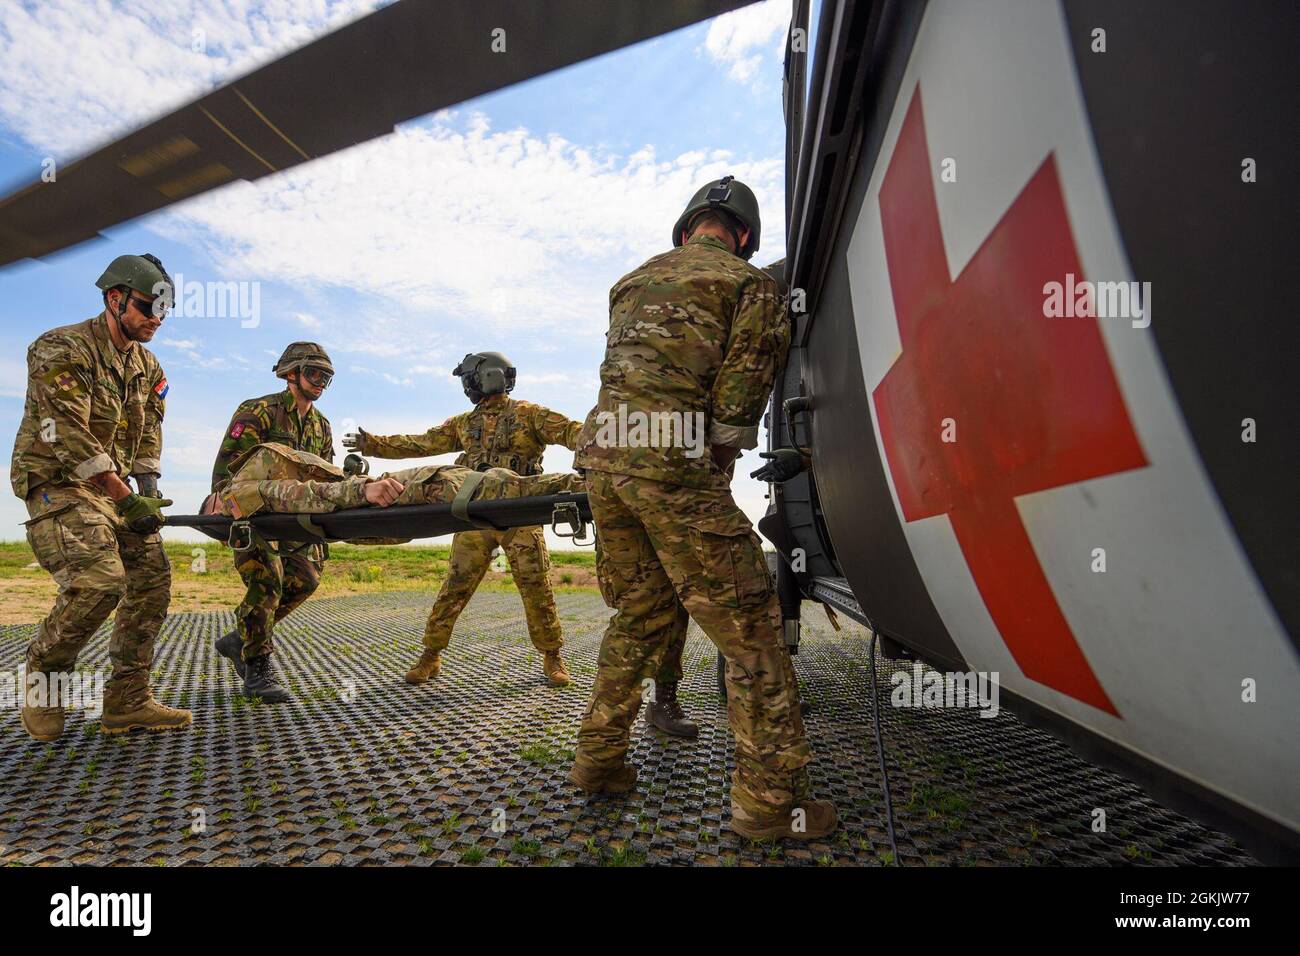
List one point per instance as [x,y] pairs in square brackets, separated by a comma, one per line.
[731,560]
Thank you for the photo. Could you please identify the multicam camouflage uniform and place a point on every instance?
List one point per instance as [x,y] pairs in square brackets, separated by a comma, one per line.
[277,578]
[695,330]
[91,408]
[276,478]
[500,432]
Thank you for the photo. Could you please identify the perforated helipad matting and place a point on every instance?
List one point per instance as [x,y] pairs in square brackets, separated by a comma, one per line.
[364,769]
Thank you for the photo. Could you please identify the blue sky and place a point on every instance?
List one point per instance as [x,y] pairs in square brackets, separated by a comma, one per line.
[500,224]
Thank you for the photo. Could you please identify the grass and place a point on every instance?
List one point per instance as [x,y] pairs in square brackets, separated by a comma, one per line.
[544,753]
[26,593]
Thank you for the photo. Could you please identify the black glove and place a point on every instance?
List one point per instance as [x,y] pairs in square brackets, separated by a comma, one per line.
[143,515]
[355,441]
[785,464]
[147,485]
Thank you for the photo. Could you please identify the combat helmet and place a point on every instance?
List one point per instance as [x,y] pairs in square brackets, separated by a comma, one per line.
[144,274]
[730,195]
[485,373]
[300,355]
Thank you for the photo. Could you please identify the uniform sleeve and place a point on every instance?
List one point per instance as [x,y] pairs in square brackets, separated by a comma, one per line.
[555,428]
[60,380]
[436,441]
[327,451]
[245,430]
[148,455]
[291,496]
[756,350]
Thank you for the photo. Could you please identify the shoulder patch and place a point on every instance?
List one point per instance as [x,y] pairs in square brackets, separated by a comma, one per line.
[63,379]
[161,388]
[237,429]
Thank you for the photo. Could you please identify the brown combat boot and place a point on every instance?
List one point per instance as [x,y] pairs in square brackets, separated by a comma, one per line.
[555,670]
[593,781]
[429,665]
[667,715]
[43,723]
[808,820]
[151,715]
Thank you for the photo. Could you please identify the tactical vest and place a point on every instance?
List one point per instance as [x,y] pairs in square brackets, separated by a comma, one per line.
[495,452]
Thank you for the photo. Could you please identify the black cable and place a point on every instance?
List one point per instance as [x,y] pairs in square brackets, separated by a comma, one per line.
[880,751]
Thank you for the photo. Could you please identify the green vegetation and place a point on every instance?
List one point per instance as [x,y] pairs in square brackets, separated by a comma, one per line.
[352,569]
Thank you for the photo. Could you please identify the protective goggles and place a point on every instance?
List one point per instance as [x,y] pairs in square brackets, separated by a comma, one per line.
[318,376]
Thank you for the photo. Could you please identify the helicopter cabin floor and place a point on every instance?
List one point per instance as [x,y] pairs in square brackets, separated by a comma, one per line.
[362,768]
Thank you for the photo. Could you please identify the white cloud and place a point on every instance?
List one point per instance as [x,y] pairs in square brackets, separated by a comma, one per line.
[450,222]
[310,321]
[124,66]
[739,40]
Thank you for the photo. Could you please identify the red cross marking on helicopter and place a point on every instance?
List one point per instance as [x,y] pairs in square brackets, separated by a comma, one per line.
[1033,400]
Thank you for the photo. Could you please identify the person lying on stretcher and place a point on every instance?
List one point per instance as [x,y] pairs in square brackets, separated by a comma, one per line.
[275,478]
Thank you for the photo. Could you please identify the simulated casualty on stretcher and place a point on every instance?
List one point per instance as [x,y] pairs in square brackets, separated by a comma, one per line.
[283,494]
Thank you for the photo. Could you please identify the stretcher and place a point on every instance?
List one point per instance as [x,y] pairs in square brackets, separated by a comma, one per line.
[568,515]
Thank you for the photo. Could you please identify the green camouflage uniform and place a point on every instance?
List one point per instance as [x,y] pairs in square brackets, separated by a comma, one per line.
[500,432]
[277,579]
[91,408]
[695,330]
[274,478]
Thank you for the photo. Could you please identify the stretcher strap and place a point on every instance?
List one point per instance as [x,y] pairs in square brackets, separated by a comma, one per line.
[460,503]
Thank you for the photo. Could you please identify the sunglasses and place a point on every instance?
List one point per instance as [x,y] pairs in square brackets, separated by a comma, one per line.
[155,307]
[318,376]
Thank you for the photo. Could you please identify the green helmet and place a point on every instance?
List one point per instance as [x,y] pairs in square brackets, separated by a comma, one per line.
[485,373]
[144,274]
[731,195]
[299,355]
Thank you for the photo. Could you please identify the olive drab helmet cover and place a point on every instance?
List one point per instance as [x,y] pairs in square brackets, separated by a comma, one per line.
[730,195]
[300,355]
[485,373]
[144,274]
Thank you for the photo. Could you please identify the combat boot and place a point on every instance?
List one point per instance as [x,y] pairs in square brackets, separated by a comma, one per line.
[259,680]
[592,781]
[667,715]
[43,723]
[555,670]
[817,820]
[150,715]
[231,647]
[428,666]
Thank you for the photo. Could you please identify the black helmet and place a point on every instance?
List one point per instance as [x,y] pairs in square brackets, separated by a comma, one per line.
[731,195]
[485,373]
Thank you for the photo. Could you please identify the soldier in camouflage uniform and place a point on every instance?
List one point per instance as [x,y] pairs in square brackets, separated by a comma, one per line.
[277,577]
[274,478]
[500,432]
[696,335]
[93,415]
